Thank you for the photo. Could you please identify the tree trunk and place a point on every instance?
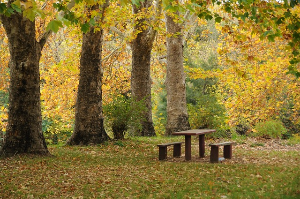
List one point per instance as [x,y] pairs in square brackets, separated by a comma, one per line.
[24,130]
[177,117]
[140,75]
[89,128]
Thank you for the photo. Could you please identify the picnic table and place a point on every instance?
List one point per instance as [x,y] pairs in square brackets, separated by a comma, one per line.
[188,144]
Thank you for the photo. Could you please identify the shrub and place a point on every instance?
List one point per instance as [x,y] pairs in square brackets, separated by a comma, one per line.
[55,131]
[270,129]
[208,113]
[243,127]
[289,121]
[122,114]
[160,110]
[240,139]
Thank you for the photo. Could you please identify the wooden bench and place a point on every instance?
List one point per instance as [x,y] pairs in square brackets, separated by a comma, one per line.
[214,152]
[163,150]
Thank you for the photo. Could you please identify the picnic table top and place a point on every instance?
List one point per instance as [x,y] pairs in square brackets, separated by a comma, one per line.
[194,132]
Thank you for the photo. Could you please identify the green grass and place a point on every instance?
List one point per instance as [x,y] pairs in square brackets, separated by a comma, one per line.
[257,144]
[130,169]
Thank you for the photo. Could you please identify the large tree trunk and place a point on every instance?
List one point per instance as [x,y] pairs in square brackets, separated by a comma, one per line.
[89,128]
[140,75]
[24,130]
[177,117]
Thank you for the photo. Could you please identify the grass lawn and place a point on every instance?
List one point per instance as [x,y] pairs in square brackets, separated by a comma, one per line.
[130,169]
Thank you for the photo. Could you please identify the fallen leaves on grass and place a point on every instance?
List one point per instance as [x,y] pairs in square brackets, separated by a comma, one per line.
[134,171]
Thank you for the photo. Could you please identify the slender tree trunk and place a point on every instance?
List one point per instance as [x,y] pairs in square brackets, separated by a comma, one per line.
[177,117]
[141,57]
[24,130]
[89,128]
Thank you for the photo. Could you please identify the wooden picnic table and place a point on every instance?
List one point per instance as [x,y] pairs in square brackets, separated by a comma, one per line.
[188,143]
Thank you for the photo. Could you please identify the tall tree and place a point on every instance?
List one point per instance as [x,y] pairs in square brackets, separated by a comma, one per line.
[177,116]
[141,57]
[24,129]
[89,128]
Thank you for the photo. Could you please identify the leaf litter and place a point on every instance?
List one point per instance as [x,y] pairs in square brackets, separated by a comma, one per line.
[133,171]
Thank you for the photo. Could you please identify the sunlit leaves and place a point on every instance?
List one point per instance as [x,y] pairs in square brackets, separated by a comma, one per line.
[116,65]
[273,19]
[256,87]
[59,78]
[4,79]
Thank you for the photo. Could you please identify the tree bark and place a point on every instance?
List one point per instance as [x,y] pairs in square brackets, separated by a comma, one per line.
[177,117]
[89,128]
[24,130]
[141,57]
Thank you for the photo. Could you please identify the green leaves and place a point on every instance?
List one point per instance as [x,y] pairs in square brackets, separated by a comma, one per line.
[30,14]
[16,8]
[85,27]
[54,25]
[271,38]
[9,10]
[293,3]
[218,19]
[137,2]
[280,20]
[2,8]
[59,6]
[92,22]
[293,70]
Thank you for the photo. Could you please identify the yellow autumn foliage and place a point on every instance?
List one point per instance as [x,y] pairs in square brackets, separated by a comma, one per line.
[4,75]
[253,78]
[59,79]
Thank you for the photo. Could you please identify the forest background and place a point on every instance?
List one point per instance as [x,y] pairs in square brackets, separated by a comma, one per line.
[236,81]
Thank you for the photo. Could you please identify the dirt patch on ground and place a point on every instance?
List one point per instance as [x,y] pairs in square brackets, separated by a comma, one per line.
[268,144]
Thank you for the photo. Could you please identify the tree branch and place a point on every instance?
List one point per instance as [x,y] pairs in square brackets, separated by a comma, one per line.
[156,19]
[44,5]
[44,37]
[116,30]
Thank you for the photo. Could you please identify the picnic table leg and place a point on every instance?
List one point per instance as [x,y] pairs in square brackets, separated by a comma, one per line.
[201,145]
[188,146]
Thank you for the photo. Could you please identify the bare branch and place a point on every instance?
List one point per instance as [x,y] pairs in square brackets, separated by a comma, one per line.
[44,5]
[111,54]
[116,30]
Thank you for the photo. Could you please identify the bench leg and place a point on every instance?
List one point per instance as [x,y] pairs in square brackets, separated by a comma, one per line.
[214,154]
[177,150]
[228,151]
[162,153]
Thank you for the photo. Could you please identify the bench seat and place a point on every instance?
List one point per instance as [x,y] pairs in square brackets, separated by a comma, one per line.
[163,150]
